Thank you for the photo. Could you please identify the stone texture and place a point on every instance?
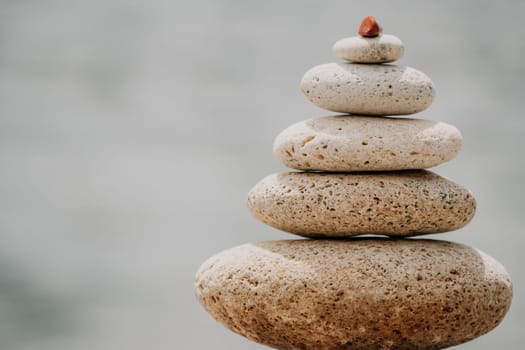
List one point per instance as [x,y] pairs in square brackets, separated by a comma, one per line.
[355,294]
[403,203]
[359,143]
[370,89]
[379,49]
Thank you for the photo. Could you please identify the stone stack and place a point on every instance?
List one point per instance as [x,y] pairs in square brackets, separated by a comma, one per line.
[360,173]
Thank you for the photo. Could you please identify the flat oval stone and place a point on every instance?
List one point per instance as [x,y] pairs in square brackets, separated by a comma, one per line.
[355,294]
[406,203]
[360,143]
[369,89]
[380,49]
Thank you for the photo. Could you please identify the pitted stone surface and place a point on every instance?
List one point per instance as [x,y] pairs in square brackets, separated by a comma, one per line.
[360,143]
[380,49]
[405,203]
[358,294]
[369,89]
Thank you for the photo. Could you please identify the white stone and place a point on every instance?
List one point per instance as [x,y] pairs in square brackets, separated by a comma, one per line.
[364,143]
[368,89]
[379,49]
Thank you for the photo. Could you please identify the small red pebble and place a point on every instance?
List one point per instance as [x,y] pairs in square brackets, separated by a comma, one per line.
[369,27]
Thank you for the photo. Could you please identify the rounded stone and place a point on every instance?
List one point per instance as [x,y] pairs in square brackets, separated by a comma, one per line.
[406,203]
[369,89]
[360,143]
[380,49]
[357,294]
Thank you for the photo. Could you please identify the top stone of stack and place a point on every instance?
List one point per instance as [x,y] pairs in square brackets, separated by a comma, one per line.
[363,85]
[370,46]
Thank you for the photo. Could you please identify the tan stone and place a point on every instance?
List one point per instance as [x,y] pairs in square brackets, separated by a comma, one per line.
[379,49]
[368,89]
[358,294]
[359,143]
[402,203]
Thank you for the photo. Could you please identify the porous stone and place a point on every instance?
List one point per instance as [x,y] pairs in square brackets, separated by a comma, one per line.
[369,89]
[380,49]
[359,294]
[406,203]
[360,143]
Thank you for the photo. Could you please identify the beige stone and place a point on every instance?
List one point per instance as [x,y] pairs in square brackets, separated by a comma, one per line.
[359,143]
[380,49]
[369,89]
[358,294]
[406,203]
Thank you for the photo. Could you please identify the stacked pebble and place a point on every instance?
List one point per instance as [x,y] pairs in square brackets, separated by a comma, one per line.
[360,293]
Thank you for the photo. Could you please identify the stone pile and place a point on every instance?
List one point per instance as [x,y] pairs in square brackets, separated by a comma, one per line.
[360,173]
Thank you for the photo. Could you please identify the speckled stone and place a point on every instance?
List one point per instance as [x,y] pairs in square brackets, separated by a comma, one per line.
[358,143]
[379,49]
[369,89]
[355,294]
[406,203]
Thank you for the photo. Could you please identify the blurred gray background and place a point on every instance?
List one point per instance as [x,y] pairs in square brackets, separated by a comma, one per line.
[131,132]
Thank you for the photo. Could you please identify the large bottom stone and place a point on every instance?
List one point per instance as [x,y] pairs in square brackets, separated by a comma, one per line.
[355,294]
